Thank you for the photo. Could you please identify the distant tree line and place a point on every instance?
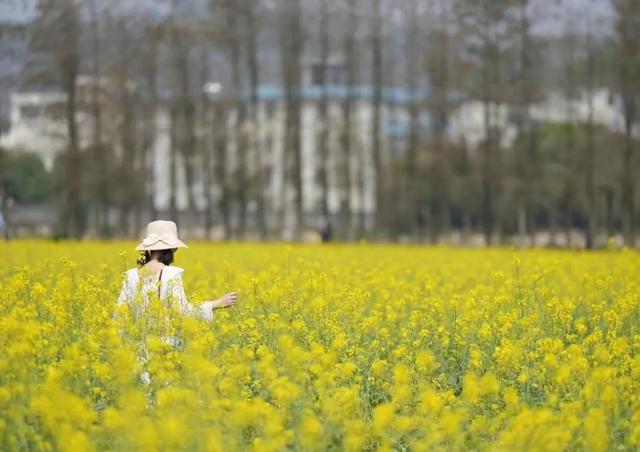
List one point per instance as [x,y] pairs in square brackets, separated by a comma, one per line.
[556,175]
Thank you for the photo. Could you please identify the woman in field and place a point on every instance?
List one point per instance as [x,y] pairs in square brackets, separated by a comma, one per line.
[156,279]
[155,272]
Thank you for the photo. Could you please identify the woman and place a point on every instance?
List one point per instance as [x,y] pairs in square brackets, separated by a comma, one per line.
[155,278]
[155,269]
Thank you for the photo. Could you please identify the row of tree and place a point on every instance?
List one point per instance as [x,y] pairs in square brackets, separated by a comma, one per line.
[557,175]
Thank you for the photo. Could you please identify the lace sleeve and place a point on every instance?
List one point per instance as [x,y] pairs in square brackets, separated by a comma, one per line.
[123,297]
[202,311]
[124,292]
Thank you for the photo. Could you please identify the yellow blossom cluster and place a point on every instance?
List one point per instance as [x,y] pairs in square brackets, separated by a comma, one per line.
[341,347]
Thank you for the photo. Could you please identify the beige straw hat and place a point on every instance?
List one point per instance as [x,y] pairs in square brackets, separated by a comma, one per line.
[161,235]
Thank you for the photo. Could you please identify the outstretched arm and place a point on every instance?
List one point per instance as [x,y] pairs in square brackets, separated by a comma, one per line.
[226,301]
[203,310]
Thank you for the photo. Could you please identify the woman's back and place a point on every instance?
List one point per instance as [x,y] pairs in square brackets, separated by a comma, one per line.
[141,285]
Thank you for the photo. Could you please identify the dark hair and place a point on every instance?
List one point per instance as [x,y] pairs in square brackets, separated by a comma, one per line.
[164,256]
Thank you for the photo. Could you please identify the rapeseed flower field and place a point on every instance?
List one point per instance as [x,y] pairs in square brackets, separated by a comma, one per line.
[340,347]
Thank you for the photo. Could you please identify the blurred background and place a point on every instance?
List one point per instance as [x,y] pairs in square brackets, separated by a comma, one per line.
[442,121]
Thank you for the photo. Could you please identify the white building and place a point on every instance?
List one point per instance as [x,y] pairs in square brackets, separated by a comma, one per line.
[38,122]
[15,16]
[37,125]
[271,142]
[467,122]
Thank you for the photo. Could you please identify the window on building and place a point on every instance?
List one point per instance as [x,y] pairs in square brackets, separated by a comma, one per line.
[317,75]
[267,176]
[55,111]
[336,74]
[30,111]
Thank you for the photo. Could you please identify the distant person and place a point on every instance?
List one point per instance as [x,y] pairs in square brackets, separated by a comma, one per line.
[325,230]
[155,276]
[3,227]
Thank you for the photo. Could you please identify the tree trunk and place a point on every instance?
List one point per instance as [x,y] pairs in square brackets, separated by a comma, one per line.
[362,185]
[487,188]
[323,113]
[628,182]
[70,66]
[187,123]
[291,42]
[629,67]
[487,147]
[438,69]
[376,144]
[129,159]
[527,156]
[151,124]
[412,162]
[609,212]
[6,214]
[553,225]
[569,186]
[240,137]
[346,204]
[590,152]
[219,133]
[100,174]
[173,164]
[254,82]
[208,148]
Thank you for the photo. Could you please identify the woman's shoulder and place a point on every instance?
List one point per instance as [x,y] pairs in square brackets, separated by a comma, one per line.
[171,271]
[168,272]
[130,276]
[131,273]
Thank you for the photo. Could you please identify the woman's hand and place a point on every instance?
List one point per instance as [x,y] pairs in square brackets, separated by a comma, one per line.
[226,301]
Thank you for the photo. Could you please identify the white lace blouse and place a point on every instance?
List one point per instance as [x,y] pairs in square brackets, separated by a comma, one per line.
[171,290]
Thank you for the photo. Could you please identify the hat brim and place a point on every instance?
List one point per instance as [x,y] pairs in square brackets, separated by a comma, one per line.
[176,243]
